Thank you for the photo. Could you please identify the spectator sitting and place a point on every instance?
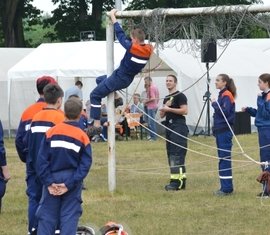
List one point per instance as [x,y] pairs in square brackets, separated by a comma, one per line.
[136,107]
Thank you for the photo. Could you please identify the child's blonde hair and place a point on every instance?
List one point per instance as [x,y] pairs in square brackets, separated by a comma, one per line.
[138,34]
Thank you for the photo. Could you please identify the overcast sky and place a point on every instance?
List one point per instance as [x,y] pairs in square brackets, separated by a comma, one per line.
[47,5]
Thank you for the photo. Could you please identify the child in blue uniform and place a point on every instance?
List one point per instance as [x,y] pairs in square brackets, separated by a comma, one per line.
[41,122]
[28,114]
[63,162]
[222,131]
[4,172]
[136,56]
[262,122]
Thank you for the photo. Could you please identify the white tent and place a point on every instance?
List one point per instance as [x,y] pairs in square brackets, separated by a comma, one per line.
[64,61]
[244,60]
[8,57]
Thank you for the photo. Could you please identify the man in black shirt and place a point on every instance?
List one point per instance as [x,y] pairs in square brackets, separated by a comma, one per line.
[174,108]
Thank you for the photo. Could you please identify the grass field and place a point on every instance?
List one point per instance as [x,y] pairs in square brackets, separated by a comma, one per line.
[140,202]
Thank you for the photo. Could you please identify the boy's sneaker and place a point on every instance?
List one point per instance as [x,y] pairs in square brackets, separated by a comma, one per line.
[118,102]
[91,131]
[103,138]
[220,193]
[263,195]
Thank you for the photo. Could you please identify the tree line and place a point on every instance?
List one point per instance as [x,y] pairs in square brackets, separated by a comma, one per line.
[20,19]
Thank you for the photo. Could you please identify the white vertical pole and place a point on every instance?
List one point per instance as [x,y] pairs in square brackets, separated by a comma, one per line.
[9,106]
[118,6]
[110,106]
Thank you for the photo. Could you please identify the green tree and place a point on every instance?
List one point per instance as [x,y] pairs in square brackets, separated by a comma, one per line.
[37,34]
[12,13]
[74,16]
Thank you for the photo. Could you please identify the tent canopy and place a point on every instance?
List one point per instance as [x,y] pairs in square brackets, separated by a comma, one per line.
[243,60]
[75,59]
[65,62]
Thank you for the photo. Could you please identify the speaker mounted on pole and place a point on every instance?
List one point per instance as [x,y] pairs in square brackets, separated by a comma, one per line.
[208,50]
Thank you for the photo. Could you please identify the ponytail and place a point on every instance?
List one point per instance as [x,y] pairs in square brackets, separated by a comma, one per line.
[230,86]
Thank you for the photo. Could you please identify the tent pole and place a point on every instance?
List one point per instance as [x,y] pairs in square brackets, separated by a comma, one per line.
[110,105]
[9,113]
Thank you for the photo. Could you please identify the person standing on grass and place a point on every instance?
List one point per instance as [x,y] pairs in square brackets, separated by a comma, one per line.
[41,122]
[224,116]
[28,114]
[152,106]
[262,122]
[174,109]
[4,171]
[143,99]
[64,160]
[137,55]
[75,90]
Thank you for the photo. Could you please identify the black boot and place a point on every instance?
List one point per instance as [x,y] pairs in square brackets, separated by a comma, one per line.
[176,185]
[173,185]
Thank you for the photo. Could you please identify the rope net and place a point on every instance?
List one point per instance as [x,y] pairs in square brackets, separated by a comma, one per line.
[211,24]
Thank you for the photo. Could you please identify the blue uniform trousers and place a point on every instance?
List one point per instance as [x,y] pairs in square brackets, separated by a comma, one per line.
[224,141]
[61,212]
[264,140]
[2,188]
[34,192]
[105,86]
[152,123]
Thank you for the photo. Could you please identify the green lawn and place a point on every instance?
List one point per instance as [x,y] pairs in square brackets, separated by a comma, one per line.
[140,202]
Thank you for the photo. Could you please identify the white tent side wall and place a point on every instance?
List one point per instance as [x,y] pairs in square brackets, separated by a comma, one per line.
[8,57]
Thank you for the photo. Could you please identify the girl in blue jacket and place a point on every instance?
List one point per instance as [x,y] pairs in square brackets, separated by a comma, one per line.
[262,122]
[224,106]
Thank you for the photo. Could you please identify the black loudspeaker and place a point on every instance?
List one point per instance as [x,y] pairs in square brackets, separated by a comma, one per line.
[242,124]
[208,50]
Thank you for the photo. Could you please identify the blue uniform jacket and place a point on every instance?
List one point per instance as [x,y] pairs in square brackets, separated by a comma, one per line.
[41,122]
[262,113]
[65,147]
[136,55]
[2,148]
[227,104]
[24,127]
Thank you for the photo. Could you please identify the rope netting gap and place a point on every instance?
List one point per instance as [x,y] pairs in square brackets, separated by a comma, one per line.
[209,23]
